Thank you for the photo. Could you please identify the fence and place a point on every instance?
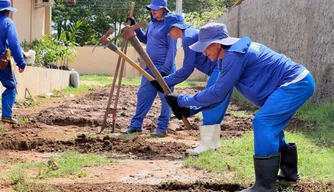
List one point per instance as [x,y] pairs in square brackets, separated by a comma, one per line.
[302,30]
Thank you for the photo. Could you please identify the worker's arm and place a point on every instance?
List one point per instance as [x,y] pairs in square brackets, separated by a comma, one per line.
[188,65]
[14,45]
[181,112]
[231,70]
[142,36]
[170,58]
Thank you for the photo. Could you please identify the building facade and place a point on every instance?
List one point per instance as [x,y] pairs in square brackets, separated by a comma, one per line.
[32,19]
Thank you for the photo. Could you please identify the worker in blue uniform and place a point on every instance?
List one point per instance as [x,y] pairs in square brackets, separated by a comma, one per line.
[162,50]
[210,130]
[266,78]
[9,45]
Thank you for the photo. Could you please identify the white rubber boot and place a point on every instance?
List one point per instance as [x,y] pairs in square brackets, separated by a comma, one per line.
[216,137]
[207,135]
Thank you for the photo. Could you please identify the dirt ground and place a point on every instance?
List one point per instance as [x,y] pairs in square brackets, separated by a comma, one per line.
[145,163]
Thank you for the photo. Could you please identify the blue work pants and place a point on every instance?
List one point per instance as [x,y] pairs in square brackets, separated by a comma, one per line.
[8,96]
[271,119]
[145,98]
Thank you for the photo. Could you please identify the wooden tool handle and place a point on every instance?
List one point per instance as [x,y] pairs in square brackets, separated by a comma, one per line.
[132,8]
[142,53]
[134,64]
[136,44]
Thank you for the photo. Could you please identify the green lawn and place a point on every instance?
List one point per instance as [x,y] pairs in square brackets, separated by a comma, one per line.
[235,159]
[315,142]
[315,149]
[69,164]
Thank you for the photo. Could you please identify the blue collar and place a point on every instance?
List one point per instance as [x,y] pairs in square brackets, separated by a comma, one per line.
[240,46]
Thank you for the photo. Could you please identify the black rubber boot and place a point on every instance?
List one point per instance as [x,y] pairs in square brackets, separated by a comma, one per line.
[288,167]
[266,169]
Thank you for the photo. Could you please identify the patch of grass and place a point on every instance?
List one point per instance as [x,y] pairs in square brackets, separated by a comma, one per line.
[4,161]
[127,136]
[69,163]
[33,187]
[189,84]
[22,120]
[95,79]
[240,113]
[71,90]
[105,79]
[2,128]
[102,80]
[16,175]
[18,179]
[235,158]
[131,81]
[323,114]
[232,158]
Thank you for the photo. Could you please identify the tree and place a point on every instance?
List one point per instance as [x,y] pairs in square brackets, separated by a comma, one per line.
[200,12]
[97,16]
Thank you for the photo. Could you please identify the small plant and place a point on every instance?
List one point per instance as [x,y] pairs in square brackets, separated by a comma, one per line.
[2,129]
[22,119]
[70,163]
[16,175]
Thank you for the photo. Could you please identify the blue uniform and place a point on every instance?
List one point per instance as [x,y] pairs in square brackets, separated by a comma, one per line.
[265,78]
[201,62]
[162,50]
[9,39]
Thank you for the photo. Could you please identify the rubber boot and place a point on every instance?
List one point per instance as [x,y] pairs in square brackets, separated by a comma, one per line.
[266,169]
[216,140]
[207,134]
[288,167]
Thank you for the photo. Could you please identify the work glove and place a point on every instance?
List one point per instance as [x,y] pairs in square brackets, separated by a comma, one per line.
[132,20]
[172,100]
[163,74]
[156,84]
[181,112]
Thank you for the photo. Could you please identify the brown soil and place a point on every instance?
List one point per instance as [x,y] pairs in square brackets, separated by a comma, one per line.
[146,163]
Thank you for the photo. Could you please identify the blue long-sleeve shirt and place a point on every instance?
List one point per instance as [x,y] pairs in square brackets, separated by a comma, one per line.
[159,46]
[191,60]
[255,70]
[9,39]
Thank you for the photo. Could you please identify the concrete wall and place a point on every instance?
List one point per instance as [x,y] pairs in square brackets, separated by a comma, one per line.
[40,80]
[103,61]
[302,30]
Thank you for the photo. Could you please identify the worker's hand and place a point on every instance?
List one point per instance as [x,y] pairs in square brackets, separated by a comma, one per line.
[172,100]
[181,112]
[156,84]
[25,55]
[163,74]
[132,20]
[21,70]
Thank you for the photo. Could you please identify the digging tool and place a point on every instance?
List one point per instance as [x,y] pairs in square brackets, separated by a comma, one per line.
[104,38]
[113,47]
[237,3]
[109,110]
[119,71]
[129,34]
